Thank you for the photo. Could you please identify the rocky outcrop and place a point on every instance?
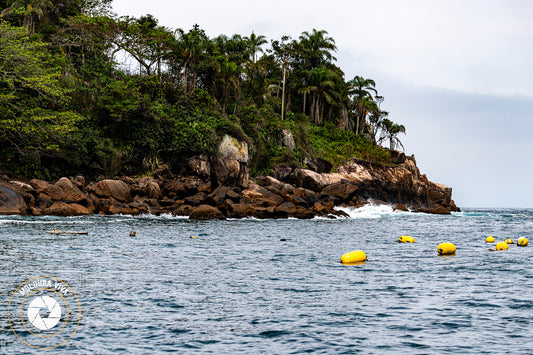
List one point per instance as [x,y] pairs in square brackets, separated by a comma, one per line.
[291,192]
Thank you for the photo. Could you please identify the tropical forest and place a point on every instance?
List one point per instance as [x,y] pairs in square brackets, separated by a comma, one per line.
[85,91]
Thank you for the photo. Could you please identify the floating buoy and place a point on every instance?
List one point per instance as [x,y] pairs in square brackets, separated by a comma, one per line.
[283,240]
[502,246]
[353,257]
[192,236]
[133,234]
[406,239]
[446,249]
[521,242]
[490,239]
[509,241]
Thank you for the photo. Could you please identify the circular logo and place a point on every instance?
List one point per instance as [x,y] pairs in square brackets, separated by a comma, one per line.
[44,312]
[47,303]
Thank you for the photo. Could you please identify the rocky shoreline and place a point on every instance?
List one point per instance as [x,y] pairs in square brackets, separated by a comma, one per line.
[221,188]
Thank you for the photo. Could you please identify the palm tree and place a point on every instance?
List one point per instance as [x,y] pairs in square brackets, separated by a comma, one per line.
[254,45]
[315,48]
[322,88]
[190,48]
[390,131]
[361,90]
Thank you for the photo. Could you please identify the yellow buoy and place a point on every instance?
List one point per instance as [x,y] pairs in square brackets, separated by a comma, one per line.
[192,236]
[509,241]
[502,246]
[353,257]
[521,242]
[406,239]
[446,249]
[132,233]
[490,239]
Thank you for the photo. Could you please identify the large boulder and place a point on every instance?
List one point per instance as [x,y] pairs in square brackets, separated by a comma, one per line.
[230,167]
[204,212]
[66,209]
[12,201]
[314,181]
[116,189]
[200,165]
[149,187]
[65,190]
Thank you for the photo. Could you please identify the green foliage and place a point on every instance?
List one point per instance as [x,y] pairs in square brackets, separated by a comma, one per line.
[67,106]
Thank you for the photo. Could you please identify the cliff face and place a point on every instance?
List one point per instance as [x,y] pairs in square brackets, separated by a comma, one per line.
[400,184]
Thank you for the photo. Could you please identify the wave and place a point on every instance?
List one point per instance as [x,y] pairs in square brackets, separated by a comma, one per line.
[372,211]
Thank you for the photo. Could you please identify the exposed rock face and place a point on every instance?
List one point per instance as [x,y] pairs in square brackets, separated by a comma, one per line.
[287,140]
[11,200]
[299,193]
[231,166]
[116,189]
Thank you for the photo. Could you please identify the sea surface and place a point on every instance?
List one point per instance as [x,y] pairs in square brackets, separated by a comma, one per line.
[274,286]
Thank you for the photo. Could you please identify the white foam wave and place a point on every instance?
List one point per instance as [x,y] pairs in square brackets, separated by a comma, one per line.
[371,211]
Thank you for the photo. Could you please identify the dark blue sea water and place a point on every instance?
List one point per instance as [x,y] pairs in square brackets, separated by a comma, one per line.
[237,288]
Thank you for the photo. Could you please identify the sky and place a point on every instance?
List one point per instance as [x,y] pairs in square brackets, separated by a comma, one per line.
[458,74]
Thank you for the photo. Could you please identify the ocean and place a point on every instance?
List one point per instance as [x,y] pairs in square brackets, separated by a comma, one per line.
[267,286]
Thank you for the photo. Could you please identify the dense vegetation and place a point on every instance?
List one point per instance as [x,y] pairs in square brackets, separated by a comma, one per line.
[83,91]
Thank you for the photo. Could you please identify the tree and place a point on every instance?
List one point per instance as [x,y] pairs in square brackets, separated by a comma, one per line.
[34,102]
[254,43]
[30,10]
[390,131]
[361,90]
[188,50]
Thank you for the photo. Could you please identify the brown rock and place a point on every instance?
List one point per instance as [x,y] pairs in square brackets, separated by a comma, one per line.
[242,210]
[66,209]
[260,196]
[196,200]
[116,189]
[343,190]
[200,165]
[204,212]
[149,187]
[183,210]
[39,185]
[65,190]
[12,201]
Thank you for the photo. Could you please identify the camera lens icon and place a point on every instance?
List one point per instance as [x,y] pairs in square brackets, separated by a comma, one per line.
[44,305]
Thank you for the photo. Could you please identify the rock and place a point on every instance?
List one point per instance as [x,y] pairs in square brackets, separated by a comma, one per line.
[343,190]
[282,171]
[22,186]
[12,201]
[196,200]
[149,187]
[116,189]
[65,190]
[66,209]
[318,165]
[39,185]
[314,181]
[200,165]
[260,196]
[183,210]
[397,157]
[230,168]
[79,181]
[307,195]
[204,212]
[287,140]
[242,210]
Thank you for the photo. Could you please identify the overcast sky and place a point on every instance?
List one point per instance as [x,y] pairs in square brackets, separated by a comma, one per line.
[457,73]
